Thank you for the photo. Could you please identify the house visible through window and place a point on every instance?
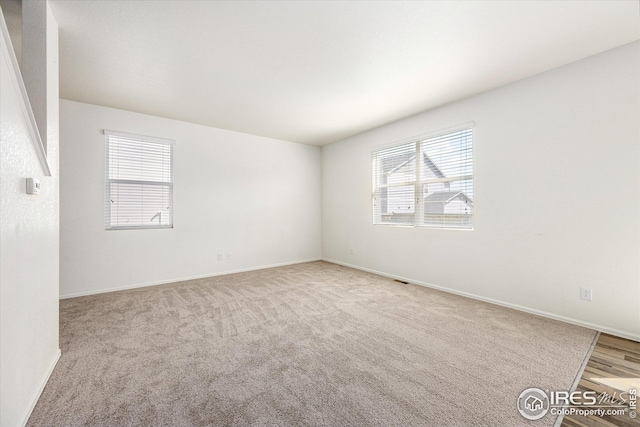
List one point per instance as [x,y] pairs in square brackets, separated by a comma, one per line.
[425,182]
[138,182]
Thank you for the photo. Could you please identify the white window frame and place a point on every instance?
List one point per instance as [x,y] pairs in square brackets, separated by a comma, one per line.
[110,180]
[418,182]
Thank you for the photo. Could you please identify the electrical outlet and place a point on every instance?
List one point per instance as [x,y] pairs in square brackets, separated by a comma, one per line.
[220,257]
[351,251]
[586,294]
[229,255]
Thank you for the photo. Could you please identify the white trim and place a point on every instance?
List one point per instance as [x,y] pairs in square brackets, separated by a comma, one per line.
[23,98]
[426,181]
[44,382]
[144,138]
[419,181]
[182,279]
[158,163]
[589,325]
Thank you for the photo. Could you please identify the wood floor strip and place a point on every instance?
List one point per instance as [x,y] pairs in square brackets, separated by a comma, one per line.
[620,343]
[614,364]
[619,363]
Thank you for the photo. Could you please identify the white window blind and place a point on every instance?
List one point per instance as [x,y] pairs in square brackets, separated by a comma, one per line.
[394,178]
[138,181]
[426,182]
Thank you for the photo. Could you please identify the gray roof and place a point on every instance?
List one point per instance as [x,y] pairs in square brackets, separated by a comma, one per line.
[435,169]
[447,196]
[427,161]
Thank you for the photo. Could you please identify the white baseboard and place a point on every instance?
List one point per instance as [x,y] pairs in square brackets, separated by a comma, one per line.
[181,279]
[35,398]
[600,328]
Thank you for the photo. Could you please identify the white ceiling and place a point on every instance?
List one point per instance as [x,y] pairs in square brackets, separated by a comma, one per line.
[318,71]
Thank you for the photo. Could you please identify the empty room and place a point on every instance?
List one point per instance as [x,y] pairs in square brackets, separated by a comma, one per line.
[319,213]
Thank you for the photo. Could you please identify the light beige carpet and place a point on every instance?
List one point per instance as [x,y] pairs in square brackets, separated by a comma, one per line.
[312,344]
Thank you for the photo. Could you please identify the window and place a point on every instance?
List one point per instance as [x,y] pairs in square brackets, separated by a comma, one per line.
[425,182]
[138,182]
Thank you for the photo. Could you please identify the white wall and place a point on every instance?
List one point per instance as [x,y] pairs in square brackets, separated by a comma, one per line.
[557,197]
[29,239]
[254,197]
